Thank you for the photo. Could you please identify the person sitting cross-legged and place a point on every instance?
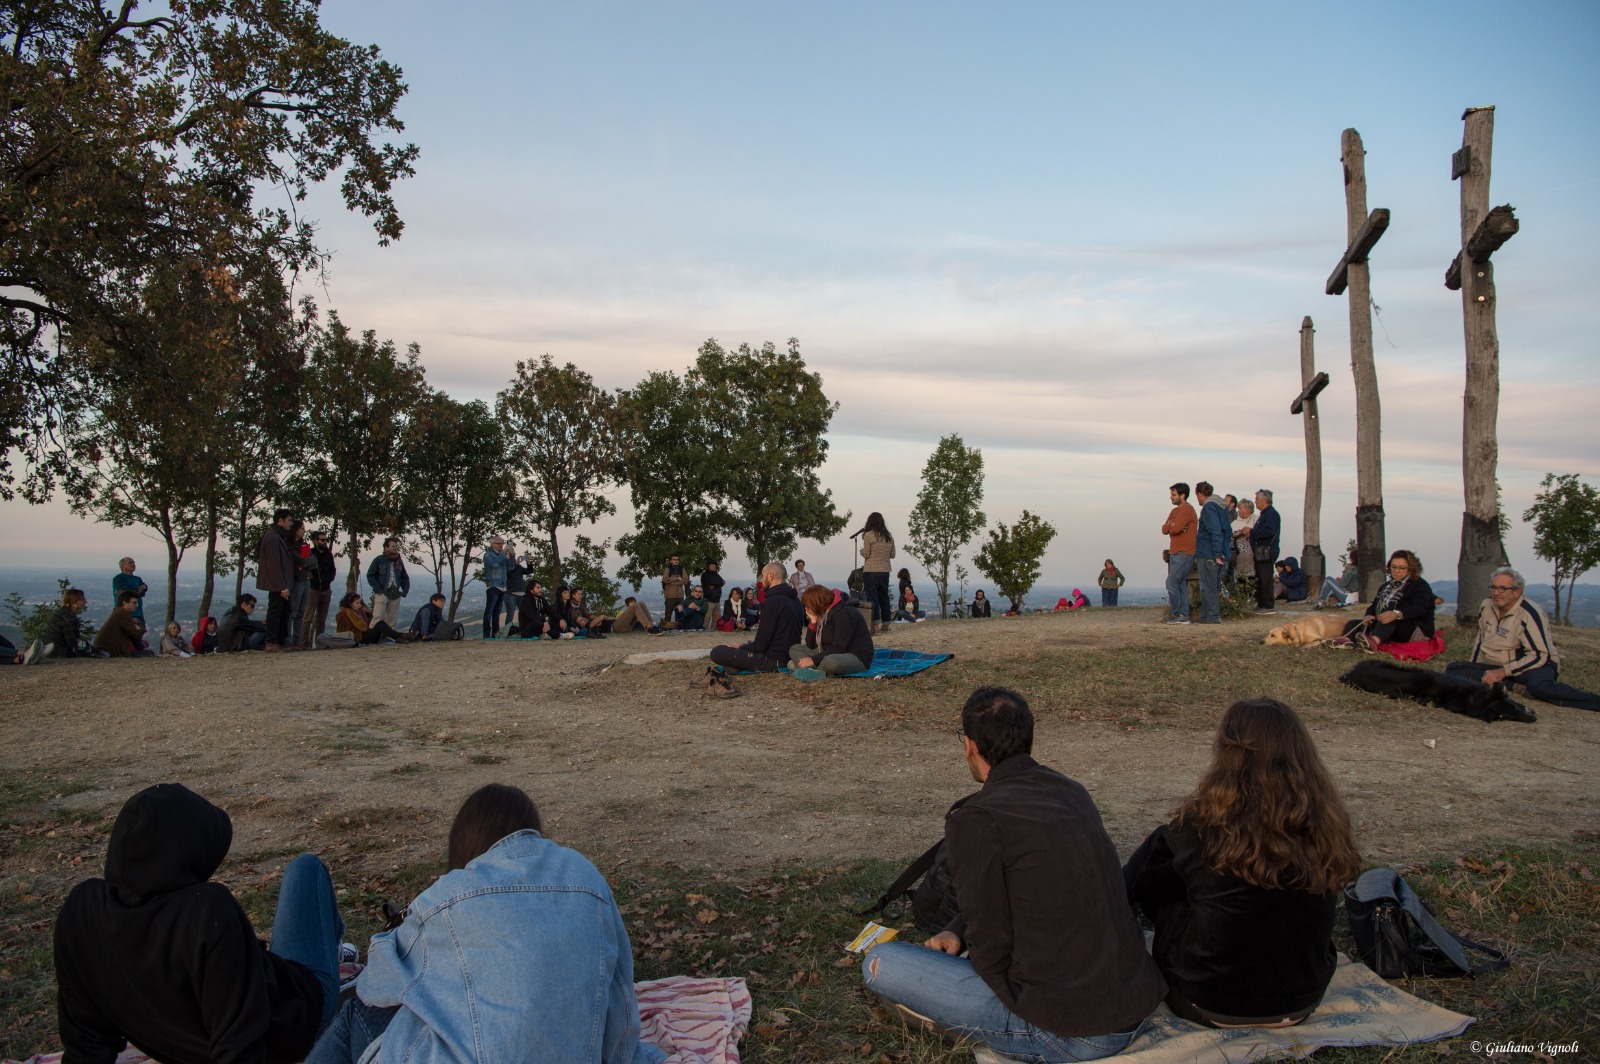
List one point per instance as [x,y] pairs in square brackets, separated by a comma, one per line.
[838,641]
[1515,646]
[776,631]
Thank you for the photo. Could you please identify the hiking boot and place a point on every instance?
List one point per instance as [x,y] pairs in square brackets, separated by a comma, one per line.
[809,675]
[711,676]
[721,687]
[654,629]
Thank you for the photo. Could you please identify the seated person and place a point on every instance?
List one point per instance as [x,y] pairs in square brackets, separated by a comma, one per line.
[1344,591]
[753,597]
[562,625]
[429,618]
[10,654]
[777,630]
[734,612]
[634,614]
[1075,601]
[588,625]
[692,613]
[237,630]
[909,609]
[172,642]
[1401,611]
[63,632]
[1515,646]
[533,614]
[122,636]
[517,952]
[1243,885]
[157,955]
[1291,583]
[980,604]
[355,620]
[205,637]
[1055,966]
[837,641]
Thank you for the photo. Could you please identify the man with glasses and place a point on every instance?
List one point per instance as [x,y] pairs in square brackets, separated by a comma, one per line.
[1045,925]
[1514,646]
[324,570]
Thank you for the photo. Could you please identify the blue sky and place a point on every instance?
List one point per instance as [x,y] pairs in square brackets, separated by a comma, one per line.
[1083,236]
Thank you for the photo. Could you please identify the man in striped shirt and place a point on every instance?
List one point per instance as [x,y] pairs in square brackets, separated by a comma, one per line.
[1515,647]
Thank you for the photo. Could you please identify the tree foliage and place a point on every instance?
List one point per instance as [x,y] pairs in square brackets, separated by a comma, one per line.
[563,435]
[129,144]
[1011,556]
[947,514]
[583,566]
[1566,531]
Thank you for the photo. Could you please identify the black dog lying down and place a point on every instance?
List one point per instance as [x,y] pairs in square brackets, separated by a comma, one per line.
[1483,701]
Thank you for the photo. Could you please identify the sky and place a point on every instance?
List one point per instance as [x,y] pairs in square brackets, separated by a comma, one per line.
[1082,236]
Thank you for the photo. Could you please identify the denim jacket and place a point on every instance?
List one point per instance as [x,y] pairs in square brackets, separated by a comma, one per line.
[521,955]
[495,567]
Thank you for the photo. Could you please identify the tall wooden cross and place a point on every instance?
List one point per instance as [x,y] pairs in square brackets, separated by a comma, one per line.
[1482,233]
[1363,231]
[1311,558]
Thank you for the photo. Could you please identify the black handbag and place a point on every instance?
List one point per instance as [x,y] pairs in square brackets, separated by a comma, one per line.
[1263,552]
[1398,937]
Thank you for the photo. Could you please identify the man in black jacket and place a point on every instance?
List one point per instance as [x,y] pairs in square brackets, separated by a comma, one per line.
[324,570]
[157,955]
[1063,972]
[777,631]
[275,576]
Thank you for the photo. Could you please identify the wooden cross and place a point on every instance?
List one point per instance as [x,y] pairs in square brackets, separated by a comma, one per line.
[1483,232]
[1311,558]
[1363,232]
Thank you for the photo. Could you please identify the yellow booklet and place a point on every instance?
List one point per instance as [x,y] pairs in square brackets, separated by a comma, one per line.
[870,936]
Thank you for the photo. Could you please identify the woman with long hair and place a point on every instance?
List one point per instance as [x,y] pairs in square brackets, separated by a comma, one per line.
[1401,611]
[877,551]
[356,619]
[516,952]
[733,611]
[1243,884]
[1111,579]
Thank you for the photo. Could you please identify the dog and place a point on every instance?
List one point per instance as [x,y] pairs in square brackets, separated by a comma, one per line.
[1484,702]
[1306,631]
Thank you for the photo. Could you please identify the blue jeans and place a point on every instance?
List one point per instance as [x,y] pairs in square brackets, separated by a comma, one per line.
[493,603]
[949,992]
[307,928]
[1177,589]
[355,1028]
[1108,596]
[1210,589]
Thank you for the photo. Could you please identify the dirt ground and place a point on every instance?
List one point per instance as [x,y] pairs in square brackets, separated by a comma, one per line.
[628,764]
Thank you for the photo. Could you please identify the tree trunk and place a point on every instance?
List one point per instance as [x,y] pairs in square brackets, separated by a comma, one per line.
[1311,558]
[1370,549]
[1482,550]
[1567,617]
[174,557]
[209,590]
[244,526]
[355,566]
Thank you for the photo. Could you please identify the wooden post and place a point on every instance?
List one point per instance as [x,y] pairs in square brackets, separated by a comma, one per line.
[1482,232]
[1312,559]
[1362,233]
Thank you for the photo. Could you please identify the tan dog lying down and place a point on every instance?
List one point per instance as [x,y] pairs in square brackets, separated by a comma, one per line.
[1305,631]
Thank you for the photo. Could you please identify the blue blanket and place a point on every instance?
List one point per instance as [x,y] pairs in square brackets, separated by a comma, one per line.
[891,662]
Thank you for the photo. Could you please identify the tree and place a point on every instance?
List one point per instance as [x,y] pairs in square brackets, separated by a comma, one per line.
[462,488]
[126,142]
[564,445]
[584,566]
[947,513]
[1566,531]
[358,395]
[1011,556]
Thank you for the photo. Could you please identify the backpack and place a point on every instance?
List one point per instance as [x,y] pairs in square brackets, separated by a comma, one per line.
[933,899]
[1397,935]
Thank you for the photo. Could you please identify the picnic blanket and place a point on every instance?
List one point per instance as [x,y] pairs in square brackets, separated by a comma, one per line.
[694,1021]
[1359,1009]
[1421,650]
[891,661]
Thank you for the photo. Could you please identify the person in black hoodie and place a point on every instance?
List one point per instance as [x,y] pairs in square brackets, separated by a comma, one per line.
[777,631]
[157,955]
[533,613]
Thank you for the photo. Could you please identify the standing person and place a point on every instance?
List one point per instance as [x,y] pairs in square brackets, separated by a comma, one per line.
[1515,646]
[1401,611]
[836,642]
[324,571]
[1111,579]
[877,551]
[1243,884]
[776,631]
[121,636]
[1180,527]
[157,955]
[800,579]
[673,582]
[712,582]
[496,566]
[516,583]
[125,580]
[1264,549]
[1243,561]
[300,590]
[275,576]
[389,582]
[1055,966]
[1213,542]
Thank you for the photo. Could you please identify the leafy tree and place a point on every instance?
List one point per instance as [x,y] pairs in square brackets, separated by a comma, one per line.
[358,395]
[128,141]
[1566,531]
[1011,556]
[584,566]
[564,443]
[947,515]
[462,488]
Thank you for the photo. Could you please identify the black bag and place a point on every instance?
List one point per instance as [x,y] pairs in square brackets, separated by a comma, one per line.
[1397,936]
[1263,552]
[933,899]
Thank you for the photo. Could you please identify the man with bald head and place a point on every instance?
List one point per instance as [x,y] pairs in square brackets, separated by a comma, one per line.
[778,630]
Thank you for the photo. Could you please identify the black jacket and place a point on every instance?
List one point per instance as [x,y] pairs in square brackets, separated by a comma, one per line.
[713,583]
[533,613]
[1043,906]
[780,625]
[275,560]
[157,955]
[324,568]
[842,631]
[234,628]
[65,632]
[1231,948]
[1413,599]
[980,608]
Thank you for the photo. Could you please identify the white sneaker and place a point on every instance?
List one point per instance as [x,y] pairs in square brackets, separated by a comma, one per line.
[985,1055]
[34,652]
